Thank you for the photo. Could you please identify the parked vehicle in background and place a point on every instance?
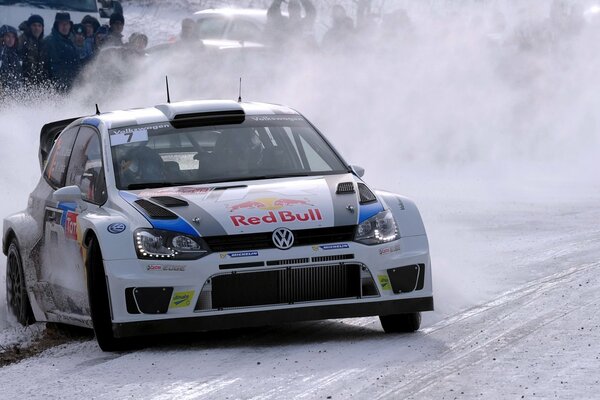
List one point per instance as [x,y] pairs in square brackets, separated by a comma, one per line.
[13,12]
[231,27]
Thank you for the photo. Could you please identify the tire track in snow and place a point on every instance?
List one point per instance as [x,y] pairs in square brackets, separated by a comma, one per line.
[512,326]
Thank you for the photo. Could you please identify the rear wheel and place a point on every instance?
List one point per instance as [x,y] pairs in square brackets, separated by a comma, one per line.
[99,301]
[399,323]
[16,291]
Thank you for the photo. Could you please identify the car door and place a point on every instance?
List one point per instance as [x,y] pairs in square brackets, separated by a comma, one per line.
[63,251]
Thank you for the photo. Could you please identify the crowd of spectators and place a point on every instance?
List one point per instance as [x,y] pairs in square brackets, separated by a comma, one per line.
[30,60]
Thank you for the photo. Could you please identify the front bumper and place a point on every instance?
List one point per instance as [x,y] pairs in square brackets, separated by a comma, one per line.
[270,317]
[269,286]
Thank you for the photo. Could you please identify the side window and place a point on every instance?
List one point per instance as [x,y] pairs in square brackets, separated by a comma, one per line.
[59,157]
[245,30]
[85,168]
[211,28]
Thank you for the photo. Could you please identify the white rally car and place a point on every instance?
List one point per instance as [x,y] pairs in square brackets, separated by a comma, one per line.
[207,215]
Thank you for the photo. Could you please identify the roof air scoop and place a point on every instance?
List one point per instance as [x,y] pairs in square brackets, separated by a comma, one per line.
[200,113]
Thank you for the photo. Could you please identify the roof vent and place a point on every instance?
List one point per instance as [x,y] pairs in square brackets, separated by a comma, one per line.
[365,194]
[345,187]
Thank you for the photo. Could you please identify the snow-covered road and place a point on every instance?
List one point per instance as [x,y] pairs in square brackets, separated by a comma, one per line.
[535,333]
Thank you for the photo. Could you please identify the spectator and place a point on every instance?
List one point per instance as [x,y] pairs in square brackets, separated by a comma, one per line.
[100,37]
[30,51]
[115,32]
[293,27]
[60,55]
[137,43]
[84,48]
[10,62]
[91,25]
[189,30]
[341,33]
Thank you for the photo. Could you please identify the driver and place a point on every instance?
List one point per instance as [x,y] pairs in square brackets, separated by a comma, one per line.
[141,165]
[239,151]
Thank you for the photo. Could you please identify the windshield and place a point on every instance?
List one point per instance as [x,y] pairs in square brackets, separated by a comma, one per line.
[62,5]
[263,146]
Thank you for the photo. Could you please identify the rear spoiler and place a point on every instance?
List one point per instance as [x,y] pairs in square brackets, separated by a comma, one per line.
[48,136]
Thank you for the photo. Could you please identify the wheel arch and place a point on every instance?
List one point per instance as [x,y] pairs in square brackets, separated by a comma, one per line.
[9,235]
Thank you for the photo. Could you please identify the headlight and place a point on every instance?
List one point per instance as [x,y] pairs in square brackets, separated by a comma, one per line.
[157,244]
[380,228]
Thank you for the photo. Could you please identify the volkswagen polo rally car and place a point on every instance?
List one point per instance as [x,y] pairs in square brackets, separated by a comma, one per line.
[206,215]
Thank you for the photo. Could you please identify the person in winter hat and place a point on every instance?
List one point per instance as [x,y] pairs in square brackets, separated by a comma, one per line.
[30,50]
[85,52]
[10,62]
[115,33]
[60,55]
[91,25]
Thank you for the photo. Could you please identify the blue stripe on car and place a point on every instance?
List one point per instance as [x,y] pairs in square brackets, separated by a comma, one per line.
[91,121]
[175,225]
[369,210]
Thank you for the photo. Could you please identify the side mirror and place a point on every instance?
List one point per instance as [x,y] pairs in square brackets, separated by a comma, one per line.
[104,12]
[358,171]
[67,194]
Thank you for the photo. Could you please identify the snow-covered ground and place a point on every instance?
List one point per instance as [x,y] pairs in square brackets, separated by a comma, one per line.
[491,128]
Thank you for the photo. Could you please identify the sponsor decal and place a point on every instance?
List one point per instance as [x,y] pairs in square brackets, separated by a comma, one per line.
[133,133]
[167,268]
[71,225]
[334,246]
[243,254]
[312,214]
[115,228]
[388,250]
[384,281]
[176,191]
[182,299]
[275,118]
[401,204]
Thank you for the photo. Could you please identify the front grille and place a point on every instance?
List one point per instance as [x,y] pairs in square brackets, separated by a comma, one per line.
[286,286]
[304,237]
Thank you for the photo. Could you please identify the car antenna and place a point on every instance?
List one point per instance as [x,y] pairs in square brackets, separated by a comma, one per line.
[97,109]
[240,95]
[168,96]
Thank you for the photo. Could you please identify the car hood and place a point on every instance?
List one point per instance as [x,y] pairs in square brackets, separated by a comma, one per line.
[253,207]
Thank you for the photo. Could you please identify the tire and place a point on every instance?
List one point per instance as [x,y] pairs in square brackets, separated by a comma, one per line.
[16,291]
[99,301]
[401,323]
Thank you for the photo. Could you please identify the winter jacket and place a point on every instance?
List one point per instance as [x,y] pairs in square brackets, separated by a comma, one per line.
[62,60]
[30,50]
[10,69]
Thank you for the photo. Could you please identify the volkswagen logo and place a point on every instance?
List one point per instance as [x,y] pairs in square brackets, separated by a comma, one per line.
[283,238]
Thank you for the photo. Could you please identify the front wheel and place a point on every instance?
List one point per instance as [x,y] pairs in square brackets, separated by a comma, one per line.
[401,323]
[99,302]
[16,291]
